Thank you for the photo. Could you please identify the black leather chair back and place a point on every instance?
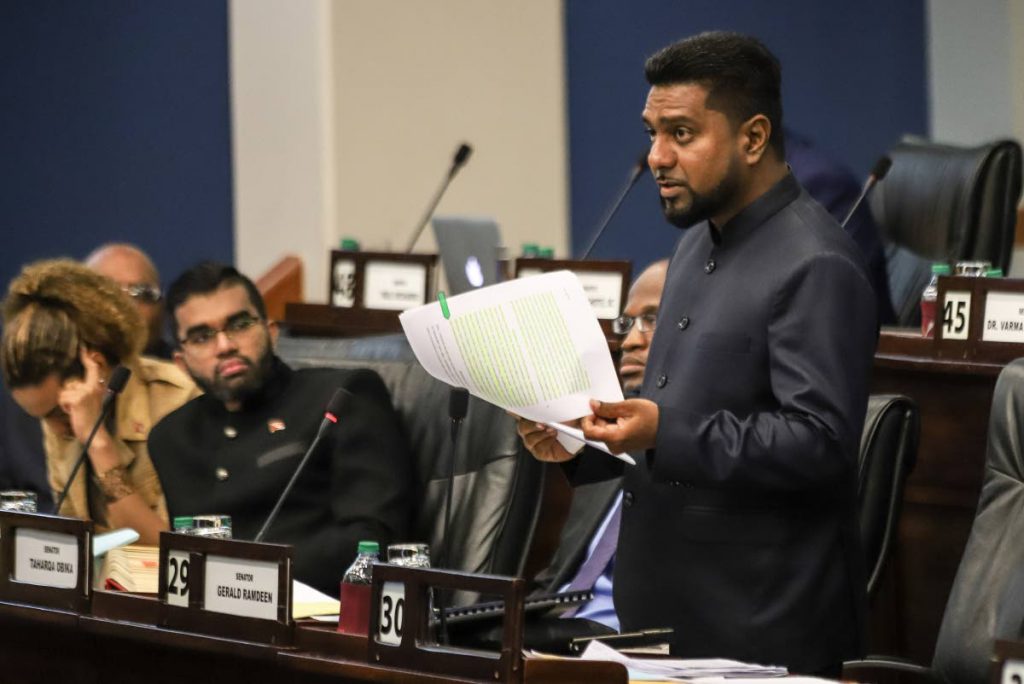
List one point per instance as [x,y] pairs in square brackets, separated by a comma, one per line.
[987,599]
[945,203]
[497,483]
[888,450]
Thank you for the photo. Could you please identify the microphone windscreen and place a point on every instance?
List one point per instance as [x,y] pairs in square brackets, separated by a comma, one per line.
[641,163]
[881,168]
[118,379]
[462,154]
[458,403]
[334,406]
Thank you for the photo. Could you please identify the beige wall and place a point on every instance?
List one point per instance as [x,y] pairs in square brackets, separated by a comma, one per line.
[282,128]
[977,95]
[413,79]
[346,115]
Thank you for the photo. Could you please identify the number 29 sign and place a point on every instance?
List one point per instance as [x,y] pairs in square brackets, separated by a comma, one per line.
[177,578]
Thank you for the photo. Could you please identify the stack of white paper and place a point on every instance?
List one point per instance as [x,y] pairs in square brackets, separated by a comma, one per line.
[532,346]
[666,669]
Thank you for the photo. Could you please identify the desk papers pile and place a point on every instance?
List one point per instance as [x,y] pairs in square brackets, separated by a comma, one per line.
[699,671]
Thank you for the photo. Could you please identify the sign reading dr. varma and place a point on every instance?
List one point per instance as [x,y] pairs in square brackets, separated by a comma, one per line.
[1004,317]
[247,588]
[46,558]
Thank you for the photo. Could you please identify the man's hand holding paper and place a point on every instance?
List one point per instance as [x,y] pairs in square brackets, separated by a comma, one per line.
[630,425]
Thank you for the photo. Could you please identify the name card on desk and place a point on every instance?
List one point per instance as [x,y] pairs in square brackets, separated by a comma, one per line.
[226,587]
[394,286]
[604,282]
[248,588]
[46,558]
[1004,317]
[604,291]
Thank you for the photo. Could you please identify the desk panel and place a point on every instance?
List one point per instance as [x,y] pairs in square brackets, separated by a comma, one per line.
[955,399]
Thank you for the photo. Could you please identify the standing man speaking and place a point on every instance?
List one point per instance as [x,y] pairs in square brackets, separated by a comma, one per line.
[738,527]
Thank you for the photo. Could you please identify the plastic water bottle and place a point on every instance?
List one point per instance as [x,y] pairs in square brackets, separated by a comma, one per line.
[355,590]
[929,300]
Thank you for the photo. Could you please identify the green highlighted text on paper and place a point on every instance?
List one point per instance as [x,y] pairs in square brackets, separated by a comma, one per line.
[500,364]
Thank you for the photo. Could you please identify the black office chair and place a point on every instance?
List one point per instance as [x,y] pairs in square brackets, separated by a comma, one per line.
[888,450]
[987,598]
[495,500]
[943,203]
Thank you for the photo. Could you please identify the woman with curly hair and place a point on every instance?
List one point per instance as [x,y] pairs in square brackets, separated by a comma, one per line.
[65,329]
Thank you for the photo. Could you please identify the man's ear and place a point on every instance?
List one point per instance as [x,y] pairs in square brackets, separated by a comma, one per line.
[179,360]
[274,330]
[755,133]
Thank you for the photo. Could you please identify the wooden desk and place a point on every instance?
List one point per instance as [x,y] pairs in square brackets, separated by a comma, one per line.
[41,645]
[954,397]
[323,320]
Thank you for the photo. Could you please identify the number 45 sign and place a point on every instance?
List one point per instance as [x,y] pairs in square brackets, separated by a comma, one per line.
[956,315]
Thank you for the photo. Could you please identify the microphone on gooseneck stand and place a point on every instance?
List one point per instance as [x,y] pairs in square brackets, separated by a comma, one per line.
[334,407]
[878,172]
[118,379]
[460,159]
[634,176]
[458,406]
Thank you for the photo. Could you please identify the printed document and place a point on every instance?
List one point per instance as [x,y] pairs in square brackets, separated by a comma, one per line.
[532,346]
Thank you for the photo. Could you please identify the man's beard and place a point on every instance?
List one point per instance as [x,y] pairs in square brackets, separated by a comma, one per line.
[703,207]
[231,390]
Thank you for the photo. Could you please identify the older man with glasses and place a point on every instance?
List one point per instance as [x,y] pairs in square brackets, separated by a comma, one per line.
[232,450]
[133,270]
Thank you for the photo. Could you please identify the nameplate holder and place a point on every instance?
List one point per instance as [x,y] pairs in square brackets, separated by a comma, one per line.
[400,624]
[605,282]
[980,319]
[226,587]
[380,281]
[1007,662]
[46,561]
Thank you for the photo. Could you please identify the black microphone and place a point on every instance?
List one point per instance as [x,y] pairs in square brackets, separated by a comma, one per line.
[634,176]
[878,172]
[118,379]
[330,418]
[458,406]
[460,159]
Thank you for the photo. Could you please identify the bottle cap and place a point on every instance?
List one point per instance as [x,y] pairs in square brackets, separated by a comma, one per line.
[530,249]
[546,253]
[941,269]
[368,547]
[350,244]
[994,273]
[182,522]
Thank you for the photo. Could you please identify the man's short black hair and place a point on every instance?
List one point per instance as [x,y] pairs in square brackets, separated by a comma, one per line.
[742,76]
[204,278]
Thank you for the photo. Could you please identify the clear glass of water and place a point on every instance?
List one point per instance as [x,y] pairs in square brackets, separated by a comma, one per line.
[214,525]
[18,501]
[409,555]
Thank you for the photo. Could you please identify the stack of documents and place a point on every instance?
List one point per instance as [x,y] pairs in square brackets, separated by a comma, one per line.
[665,669]
[131,568]
[532,346]
[309,602]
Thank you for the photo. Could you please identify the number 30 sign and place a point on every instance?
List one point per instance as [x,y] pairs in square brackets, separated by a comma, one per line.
[391,613]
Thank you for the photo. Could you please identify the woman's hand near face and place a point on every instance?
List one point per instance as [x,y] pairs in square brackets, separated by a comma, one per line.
[82,399]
